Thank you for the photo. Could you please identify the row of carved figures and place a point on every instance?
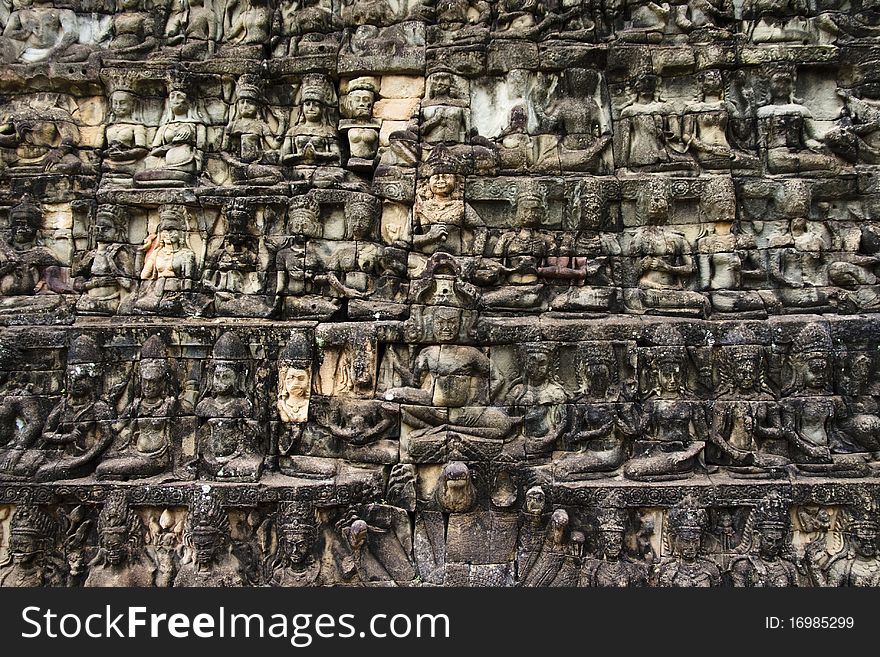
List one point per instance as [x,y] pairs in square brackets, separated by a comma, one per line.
[641,415]
[744,121]
[376,544]
[384,261]
[37,31]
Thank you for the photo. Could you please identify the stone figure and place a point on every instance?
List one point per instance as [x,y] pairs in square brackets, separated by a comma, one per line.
[305,27]
[37,32]
[125,139]
[602,425]
[250,142]
[445,116]
[228,433]
[664,260]
[675,430]
[169,265]
[704,127]
[768,566]
[541,398]
[135,32]
[579,120]
[612,567]
[646,130]
[21,412]
[787,135]
[235,264]
[38,134]
[33,560]
[79,428]
[295,561]
[746,434]
[107,270]
[518,253]
[179,143]
[555,564]
[312,138]
[810,410]
[208,559]
[121,559]
[858,564]
[192,29]
[247,22]
[448,384]
[358,122]
[686,567]
[442,220]
[146,427]
[31,275]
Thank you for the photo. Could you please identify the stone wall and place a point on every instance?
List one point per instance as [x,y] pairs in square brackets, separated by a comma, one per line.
[389,292]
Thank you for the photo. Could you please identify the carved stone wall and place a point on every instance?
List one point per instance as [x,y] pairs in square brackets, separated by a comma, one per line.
[439,292]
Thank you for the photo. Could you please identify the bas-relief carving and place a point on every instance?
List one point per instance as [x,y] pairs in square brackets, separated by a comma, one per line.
[447,294]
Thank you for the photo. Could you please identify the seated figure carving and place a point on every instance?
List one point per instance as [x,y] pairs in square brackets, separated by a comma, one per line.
[228,433]
[147,425]
[674,421]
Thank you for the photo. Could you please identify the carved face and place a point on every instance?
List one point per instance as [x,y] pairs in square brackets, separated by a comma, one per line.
[447,322]
[780,86]
[105,229]
[80,381]
[225,379]
[359,534]
[152,379]
[772,539]
[360,103]
[312,110]
[122,103]
[537,365]
[612,543]
[745,371]
[304,221]
[178,102]
[529,212]
[24,231]
[359,217]
[599,378]
[535,500]
[688,542]
[442,85]
[442,184]
[115,544]
[297,547]
[558,524]
[712,83]
[296,382]
[24,548]
[169,236]
[248,108]
[817,371]
[865,542]
[669,375]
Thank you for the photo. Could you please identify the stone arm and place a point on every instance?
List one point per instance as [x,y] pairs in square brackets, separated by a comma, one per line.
[721,428]
[740,572]
[777,269]
[699,423]
[119,151]
[423,394]
[791,433]
[704,268]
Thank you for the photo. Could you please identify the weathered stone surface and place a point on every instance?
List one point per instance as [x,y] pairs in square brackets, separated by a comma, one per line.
[389,294]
